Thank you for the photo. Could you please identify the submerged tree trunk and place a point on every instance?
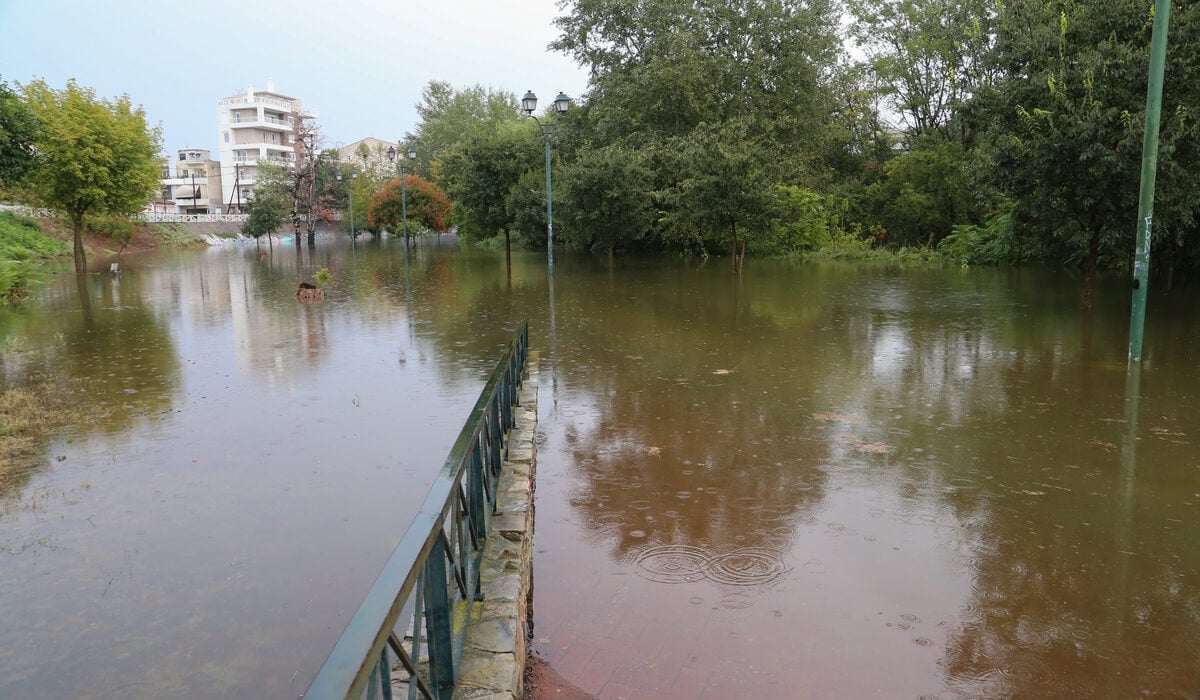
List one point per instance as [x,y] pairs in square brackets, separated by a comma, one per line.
[508,252]
[80,253]
[1089,274]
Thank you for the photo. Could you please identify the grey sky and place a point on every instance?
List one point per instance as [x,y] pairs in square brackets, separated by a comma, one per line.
[360,64]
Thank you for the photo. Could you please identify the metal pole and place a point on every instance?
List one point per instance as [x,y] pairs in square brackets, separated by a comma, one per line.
[404,205]
[1145,220]
[353,239]
[549,206]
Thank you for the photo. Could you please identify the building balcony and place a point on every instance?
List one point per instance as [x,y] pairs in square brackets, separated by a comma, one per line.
[180,181]
[270,123]
[243,101]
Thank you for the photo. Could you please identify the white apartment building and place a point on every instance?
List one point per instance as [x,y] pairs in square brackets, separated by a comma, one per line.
[194,185]
[253,127]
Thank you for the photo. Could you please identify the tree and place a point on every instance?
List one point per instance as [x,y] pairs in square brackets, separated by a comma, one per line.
[93,156]
[1066,123]
[923,195]
[929,55]
[428,207]
[268,214]
[480,175]
[449,117]
[726,191]
[660,69]
[17,133]
[312,180]
[606,198]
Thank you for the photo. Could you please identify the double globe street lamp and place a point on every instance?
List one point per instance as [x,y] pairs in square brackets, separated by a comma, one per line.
[412,155]
[528,105]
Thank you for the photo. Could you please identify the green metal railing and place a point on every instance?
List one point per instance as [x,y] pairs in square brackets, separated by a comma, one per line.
[433,574]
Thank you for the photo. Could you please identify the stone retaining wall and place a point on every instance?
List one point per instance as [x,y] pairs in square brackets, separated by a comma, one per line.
[494,654]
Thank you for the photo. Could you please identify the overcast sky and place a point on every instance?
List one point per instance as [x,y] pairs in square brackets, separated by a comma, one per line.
[360,64]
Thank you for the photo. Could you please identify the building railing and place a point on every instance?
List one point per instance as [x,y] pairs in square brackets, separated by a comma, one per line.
[162,218]
[433,574]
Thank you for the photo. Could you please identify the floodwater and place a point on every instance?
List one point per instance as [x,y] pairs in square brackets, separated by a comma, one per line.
[817,481]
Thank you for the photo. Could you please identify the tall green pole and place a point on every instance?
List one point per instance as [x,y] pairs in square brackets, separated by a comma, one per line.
[549,206]
[1145,220]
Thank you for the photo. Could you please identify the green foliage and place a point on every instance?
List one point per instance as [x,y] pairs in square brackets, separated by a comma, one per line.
[18,129]
[323,276]
[118,228]
[481,173]
[923,195]
[21,244]
[93,156]
[449,118]
[606,198]
[176,234]
[993,244]
[803,222]
[726,191]
[267,213]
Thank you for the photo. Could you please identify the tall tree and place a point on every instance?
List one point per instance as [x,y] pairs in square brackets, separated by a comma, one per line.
[480,175]
[448,117]
[311,186]
[728,191]
[659,68]
[929,55]
[1066,125]
[17,132]
[93,156]
[606,199]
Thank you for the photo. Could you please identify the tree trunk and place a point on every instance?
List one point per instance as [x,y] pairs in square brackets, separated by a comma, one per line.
[508,252]
[1089,274]
[80,253]
[611,246]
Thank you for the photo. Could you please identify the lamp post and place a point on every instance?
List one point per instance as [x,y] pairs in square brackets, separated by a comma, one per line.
[528,105]
[353,177]
[412,155]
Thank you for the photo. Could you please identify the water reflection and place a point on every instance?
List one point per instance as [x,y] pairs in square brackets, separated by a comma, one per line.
[855,482]
[915,468]
[244,469]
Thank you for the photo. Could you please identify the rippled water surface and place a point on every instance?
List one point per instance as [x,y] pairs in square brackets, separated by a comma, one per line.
[817,481]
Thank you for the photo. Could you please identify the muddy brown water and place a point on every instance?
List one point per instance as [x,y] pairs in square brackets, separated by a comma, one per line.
[817,481]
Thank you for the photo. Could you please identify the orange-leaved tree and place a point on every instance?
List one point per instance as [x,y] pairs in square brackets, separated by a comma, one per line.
[428,207]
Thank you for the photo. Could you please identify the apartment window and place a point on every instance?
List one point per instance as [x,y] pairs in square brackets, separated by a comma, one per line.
[226,137]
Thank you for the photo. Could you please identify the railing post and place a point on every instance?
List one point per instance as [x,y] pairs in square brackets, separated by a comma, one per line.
[437,619]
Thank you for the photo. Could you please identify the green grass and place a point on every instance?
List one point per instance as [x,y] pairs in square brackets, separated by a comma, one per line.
[22,246]
[177,234]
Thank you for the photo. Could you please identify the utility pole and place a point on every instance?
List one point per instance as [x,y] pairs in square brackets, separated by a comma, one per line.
[1145,220]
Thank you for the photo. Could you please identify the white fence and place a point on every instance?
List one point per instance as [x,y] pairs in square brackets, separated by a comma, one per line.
[192,218]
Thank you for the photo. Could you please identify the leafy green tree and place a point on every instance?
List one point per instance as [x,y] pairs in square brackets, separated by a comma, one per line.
[727,191]
[267,214]
[606,199]
[17,132]
[1064,139]
[481,173]
[93,156]
[923,195]
[448,117]
[660,69]
[929,55]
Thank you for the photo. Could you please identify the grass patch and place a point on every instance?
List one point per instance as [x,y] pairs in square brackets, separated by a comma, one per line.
[30,416]
[177,234]
[22,245]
